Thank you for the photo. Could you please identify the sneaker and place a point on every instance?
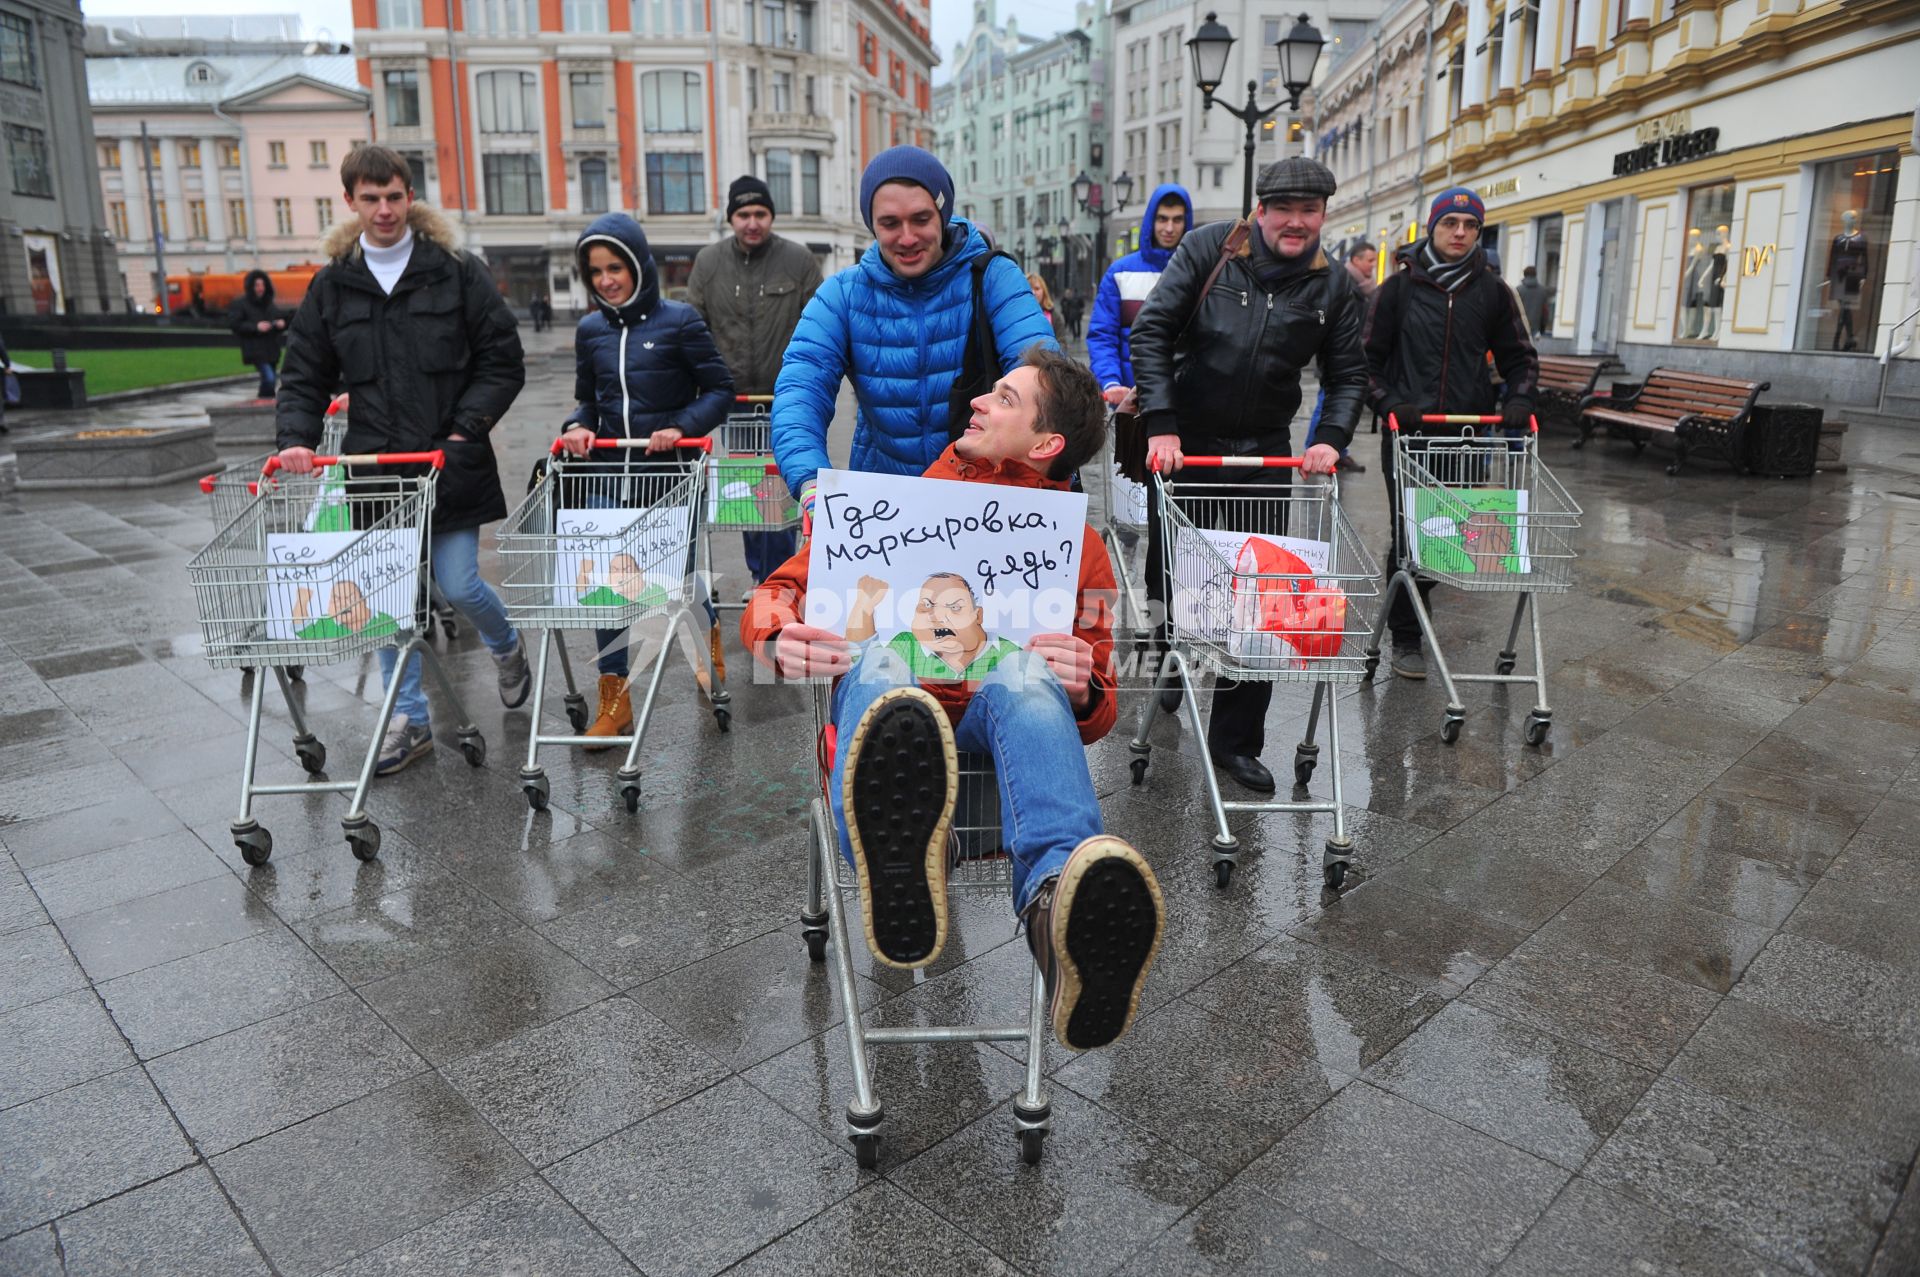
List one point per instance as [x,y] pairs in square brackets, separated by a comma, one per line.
[403,743]
[1409,661]
[1094,932]
[516,680]
[902,779]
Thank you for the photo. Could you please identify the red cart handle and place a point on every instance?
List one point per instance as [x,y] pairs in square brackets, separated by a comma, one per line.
[1459,419]
[702,444]
[1243,463]
[437,460]
[753,398]
[339,404]
[208,482]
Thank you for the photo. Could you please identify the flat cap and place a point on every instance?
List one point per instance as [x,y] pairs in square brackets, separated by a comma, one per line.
[1296,176]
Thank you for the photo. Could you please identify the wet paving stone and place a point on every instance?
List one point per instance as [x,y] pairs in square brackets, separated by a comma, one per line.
[83,1145]
[523,1228]
[180,1224]
[52,1045]
[874,1233]
[167,1007]
[1591,1232]
[1241,1232]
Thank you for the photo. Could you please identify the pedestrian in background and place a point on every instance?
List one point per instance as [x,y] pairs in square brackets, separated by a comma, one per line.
[261,327]
[1038,284]
[1126,285]
[1533,301]
[1074,307]
[751,288]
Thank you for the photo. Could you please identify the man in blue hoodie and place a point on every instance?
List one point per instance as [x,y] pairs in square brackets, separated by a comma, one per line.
[1168,217]
[897,323]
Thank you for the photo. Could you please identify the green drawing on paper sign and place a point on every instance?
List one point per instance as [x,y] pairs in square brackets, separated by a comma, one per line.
[1469,531]
[744,493]
[348,615]
[626,585]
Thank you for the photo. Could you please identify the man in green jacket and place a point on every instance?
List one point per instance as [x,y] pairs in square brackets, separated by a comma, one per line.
[750,289]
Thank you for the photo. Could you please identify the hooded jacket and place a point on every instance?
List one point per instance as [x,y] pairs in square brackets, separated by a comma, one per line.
[1228,382]
[247,313]
[752,302]
[438,356]
[902,342]
[781,600]
[649,363]
[1123,290]
[1428,346]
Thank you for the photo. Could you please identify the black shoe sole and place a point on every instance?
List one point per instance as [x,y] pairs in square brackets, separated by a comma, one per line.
[1107,922]
[900,787]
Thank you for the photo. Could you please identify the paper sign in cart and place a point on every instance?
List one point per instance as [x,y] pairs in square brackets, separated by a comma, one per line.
[743,492]
[619,558]
[1205,594]
[336,585]
[1469,530]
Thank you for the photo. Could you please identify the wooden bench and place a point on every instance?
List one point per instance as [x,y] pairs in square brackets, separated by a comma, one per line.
[1698,411]
[1567,379]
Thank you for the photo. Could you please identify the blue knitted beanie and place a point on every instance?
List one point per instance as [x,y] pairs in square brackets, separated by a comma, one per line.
[907,164]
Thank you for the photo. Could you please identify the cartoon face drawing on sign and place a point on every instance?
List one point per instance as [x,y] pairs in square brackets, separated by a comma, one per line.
[348,614]
[945,640]
[625,585]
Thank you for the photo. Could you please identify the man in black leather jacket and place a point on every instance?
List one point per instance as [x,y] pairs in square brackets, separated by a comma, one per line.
[1220,376]
[1427,339]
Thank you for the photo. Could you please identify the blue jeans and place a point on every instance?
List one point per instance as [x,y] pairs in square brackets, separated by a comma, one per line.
[269,378]
[1313,425]
[1020,718]
[456,569]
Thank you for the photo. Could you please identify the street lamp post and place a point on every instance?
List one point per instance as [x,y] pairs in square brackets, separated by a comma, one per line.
[1066,250]
[1092,201]
[1299,52]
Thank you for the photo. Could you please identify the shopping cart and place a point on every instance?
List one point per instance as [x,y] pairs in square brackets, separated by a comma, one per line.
[1283,598]
[597,545]
[745,492]
[273,592]
[1124,529]
[1483,514]
[978,863]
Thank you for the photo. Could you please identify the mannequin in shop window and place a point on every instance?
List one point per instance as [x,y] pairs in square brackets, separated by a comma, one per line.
[1716,281]
[1693,287]
[1846,272]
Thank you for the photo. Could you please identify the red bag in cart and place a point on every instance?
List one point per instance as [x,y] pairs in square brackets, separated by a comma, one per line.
[1285,599]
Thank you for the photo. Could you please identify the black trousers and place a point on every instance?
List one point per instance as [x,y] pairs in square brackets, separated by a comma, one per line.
[1239,723]
[1402,622]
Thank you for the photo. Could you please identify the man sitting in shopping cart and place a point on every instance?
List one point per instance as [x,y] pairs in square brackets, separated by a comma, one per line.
[1091,906]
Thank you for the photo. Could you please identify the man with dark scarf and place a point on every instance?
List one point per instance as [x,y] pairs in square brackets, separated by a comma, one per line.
[1427,338]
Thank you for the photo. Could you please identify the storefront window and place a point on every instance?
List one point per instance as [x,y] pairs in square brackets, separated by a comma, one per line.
[1847,252]
[1703,272]
[1547,237]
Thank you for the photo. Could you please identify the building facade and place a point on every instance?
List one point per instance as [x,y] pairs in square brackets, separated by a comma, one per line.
[245,130]
[1708,184]
[1019,118]
[528,118]
[1369,130]
[55,253]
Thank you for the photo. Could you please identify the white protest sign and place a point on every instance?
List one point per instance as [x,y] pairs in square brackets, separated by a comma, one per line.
[337,585]
[1129,499]
[950,573]
[621,558]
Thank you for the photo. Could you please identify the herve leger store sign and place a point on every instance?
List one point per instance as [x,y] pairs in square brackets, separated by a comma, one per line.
[1665,139]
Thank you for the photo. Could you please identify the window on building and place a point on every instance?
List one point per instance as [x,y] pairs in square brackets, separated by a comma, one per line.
[584,15]
[1704,264]
[503,17]
[161,215]
[117,218]
[587,91]
[109,155]
[398,15]
[1456,74]
[323,214]
[509,101]
[19,62]
[403,99]
[1851,230]
[773,23]
[803,36]
[807,101]
[670,101]
[276,155]
[153,154]
[593,186]
[753,89]
[229,151]
[317,153]
[512,183]
[780,180]
[421,167]
[32,166]
[780,92]
[196,219]
[1496,60]
[236,219]
[669,17]
[810,182]
[676,183]
[1527,14]
[283,216]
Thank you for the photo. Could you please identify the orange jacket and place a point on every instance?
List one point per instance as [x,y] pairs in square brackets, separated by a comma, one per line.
[779,601]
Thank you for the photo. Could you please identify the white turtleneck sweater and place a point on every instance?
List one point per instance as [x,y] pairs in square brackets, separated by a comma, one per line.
[388,264]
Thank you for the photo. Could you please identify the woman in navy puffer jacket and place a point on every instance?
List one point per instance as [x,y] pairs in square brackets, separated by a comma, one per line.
[644,368]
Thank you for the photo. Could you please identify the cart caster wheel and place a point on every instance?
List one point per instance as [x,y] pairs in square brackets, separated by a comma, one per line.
[1537,729]
[631,795]
[1139,769]
[1033,1143]
[1302,771]
[475,750]
[1505,666]
[1336,875]
[365,842]
[724,718]
[866,1149]
[1222,874]
[1450,730]
[816,945]
[313,756]
[577,716]
[449,626]
[537,791]
[296,673]
[255,846]
[1372,666]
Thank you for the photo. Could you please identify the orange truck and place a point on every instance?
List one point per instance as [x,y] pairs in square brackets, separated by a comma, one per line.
[211,292]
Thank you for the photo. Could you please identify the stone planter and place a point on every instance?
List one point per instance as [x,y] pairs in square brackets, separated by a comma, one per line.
[242,425]
[133,457]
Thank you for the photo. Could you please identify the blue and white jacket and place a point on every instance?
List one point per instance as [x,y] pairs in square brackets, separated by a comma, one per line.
[1122,290]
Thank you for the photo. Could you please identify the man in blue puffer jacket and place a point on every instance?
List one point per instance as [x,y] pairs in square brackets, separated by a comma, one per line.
[1124,288]
[896,322]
